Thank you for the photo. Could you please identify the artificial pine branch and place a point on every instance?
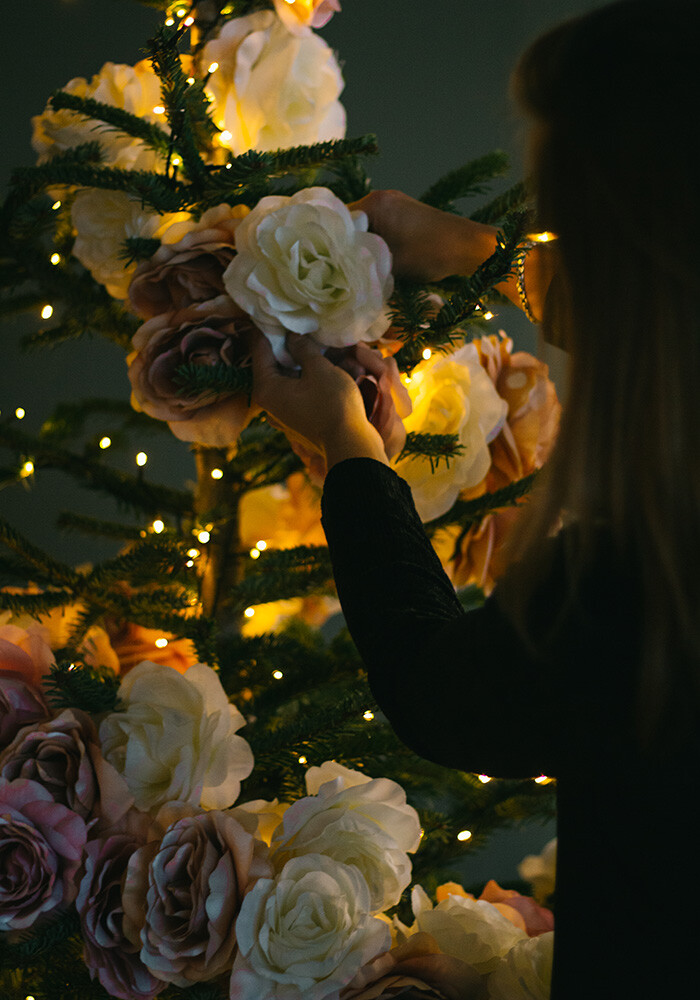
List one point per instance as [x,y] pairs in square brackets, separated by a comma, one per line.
[27,182]
[212,380]
[241,169]
[155,559]
[434,447]
[24,949]
[119,119]
[69,520]
[468,512]
[466,181]
[284,573]
[58,572]
[68,419]
[411,307]
[138,248]
[75,685]
[515,199]
[35,604]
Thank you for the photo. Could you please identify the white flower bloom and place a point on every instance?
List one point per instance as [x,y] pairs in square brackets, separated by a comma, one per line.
[176,739]
[307,263]
[357,821]
[451,394]
[104,220]
[305,934]
[135,89]
[272,89]
[526,971]
[300,16]
[470,929]
[540,871]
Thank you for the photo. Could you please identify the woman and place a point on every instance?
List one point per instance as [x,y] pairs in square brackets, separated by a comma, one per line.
[585,662]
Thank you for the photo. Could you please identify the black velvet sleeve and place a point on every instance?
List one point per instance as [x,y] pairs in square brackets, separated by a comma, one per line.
[459,689]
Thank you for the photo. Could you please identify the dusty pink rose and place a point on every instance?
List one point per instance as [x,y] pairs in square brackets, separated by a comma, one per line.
[135,643]
[416,968]
[108,953]
[531,917]
[41,846]
[190,270]
[64,756]
[184,895]
[299,16]
[206,333]
[385,397]
[20,705]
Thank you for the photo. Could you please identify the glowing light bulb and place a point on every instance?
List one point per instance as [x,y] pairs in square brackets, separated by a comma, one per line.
[189,564]
[217,473]
[141,458]
[162,642]
[228,166]
[47,312]
[543,780]
[261,545]
[55,258]
[20,413]
[170,21]
[544,237]
[193,553]
[190,80]
[181,12]
[105,442]
[302,759]
[255,553]
[159,110]
[464,835]
[484,779]
[188,21]
[488,315]
[212,68]
[225,136]
[56,205]
[249,612]
[277,674]
[158,525]
[368,715]
[203,537]
[427,353]
[27,469]
[176,161]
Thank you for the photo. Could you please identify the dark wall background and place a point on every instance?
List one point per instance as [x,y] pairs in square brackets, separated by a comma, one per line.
[430,79]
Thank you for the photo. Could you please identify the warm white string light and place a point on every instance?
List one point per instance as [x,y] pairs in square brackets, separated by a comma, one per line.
[464,835]
[277,674]
[217,473]
[427,354]
[203,536]
[105,442]
[212,68]
[47,311]
[302,759]
[248,613]
[162,642]
[484,779]
[158,526]
[141,459]
[368,715]
[20,413]
[55,258]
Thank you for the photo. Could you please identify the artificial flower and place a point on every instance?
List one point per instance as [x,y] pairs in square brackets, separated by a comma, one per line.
[189,270]
[525,973]
[24,652]
[451,394]
[132,644]
[272,90]
[306,263]
[206,334]
[41,847]
[176,738]
[304,934]
[299,16]
[193,883]
[540,871]
[21,705]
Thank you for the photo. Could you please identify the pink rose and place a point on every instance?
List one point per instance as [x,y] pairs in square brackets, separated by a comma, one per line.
[206,333]
[190,270]
[182,896]
[41,846]
[385,397]
[108,953]
[24,653]
[64,756]
[531,917]
[20,705]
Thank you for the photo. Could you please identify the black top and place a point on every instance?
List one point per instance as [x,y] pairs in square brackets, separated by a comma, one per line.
[466,691]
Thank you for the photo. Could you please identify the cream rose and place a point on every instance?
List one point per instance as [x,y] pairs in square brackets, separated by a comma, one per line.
[526,971]
[103,221]
[306,933]
[136,89]
[307,263]
[470,929]
[299,16]
[355,820]
[451,394]
[273,90]
[176,738]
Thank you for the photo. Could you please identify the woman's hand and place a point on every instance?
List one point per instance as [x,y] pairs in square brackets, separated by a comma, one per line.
[321,404]
[426,244]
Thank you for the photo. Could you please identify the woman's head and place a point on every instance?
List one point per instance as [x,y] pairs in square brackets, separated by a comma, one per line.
[613,98]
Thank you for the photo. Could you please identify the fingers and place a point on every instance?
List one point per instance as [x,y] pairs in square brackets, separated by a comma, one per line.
[302,347]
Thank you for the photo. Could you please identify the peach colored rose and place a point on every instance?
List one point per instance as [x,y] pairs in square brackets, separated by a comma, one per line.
[522,911]
[206,333]
[133,644]
[282,516]
[190,270]
[299,16]
[24,653]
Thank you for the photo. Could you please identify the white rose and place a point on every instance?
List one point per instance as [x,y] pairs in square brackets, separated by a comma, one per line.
[306,933]
[355,820]
[104,220]
[273,90]
[526,971]
[300,16]
[451,394]
[136,89]
[307,263]
[540,871]
[176,739]
[470,929]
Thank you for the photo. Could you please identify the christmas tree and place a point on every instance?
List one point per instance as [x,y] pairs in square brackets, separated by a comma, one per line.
[190,715]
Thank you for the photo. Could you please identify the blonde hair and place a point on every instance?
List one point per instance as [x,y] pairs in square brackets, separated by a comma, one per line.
[612,95]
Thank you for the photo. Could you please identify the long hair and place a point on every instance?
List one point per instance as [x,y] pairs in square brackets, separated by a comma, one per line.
[614,99]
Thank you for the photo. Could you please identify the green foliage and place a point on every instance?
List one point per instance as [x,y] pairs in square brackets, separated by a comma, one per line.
[74,685]
[434,447]
[469,512]
[466,181]
[117,119]
[202,381]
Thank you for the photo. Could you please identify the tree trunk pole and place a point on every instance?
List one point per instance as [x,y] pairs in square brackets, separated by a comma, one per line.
[217,504]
